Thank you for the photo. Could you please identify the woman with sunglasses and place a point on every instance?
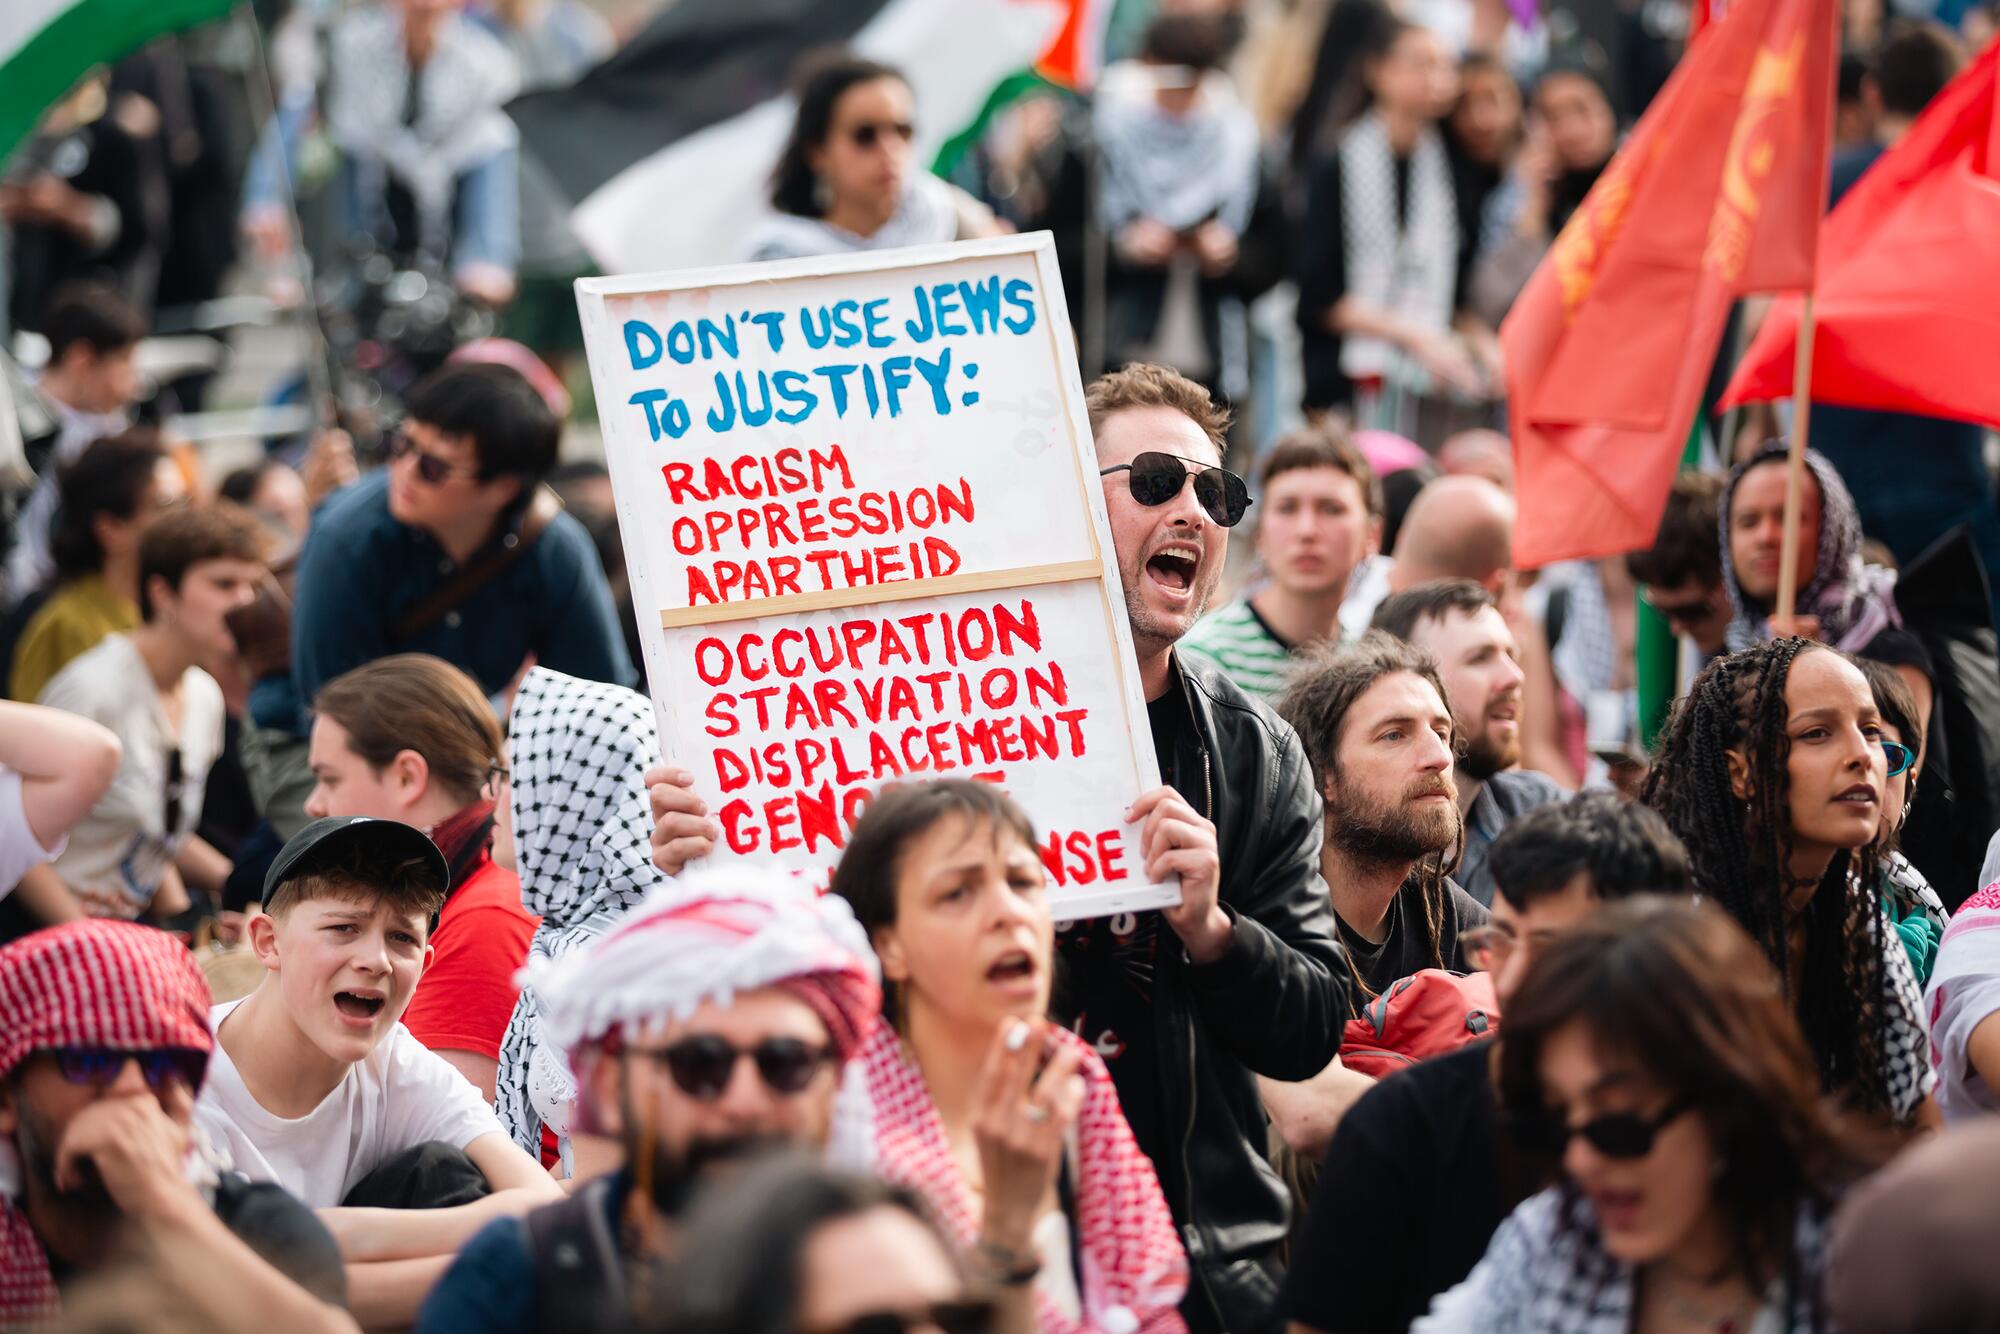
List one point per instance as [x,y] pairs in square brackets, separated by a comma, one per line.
[848,178]
[1914,908]
[412,738]
[1651,1067]
[1007,1125]
[1773,774]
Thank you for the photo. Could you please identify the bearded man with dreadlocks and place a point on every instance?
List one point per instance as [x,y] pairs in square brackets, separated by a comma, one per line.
[1773,774]
[1377,729]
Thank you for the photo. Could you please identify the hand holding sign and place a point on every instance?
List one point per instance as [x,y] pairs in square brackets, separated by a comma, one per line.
[1174,840]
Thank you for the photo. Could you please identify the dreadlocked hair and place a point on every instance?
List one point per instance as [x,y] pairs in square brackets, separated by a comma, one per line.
[1739,850]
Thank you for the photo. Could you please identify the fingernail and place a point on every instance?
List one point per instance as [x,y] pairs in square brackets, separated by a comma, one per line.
[1017,1036]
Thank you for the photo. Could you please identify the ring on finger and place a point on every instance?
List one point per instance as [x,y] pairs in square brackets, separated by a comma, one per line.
[1035,1112]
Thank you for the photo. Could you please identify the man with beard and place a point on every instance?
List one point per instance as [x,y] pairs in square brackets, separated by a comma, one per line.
[1458,623]
[103,1045]
[712,1020]
[1380,738]
[1245,977]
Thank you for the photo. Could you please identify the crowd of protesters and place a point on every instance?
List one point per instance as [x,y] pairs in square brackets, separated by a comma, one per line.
[364,962]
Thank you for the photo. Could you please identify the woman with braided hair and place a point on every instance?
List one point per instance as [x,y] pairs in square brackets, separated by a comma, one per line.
[1773,774]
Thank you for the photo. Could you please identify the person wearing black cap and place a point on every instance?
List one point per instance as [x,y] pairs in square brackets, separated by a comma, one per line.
[316,1085]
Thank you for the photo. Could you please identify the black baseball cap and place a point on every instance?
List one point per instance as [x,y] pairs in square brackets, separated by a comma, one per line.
[387,843]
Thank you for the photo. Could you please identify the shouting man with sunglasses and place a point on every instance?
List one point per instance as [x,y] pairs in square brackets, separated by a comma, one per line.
[103,1046]
[451,550]
[711,1021]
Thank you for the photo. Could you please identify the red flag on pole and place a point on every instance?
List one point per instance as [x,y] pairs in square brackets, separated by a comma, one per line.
[1908,299]
[1717,193]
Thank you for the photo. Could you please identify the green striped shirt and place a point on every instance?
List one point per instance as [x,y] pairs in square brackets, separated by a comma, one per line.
[1236,640]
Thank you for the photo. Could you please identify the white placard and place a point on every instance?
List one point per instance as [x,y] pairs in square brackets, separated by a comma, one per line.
[868,544]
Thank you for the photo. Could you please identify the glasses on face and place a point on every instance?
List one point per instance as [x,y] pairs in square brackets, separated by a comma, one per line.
[1488,947]
[1158,478]
[1687,609]
[434,470]
[1625,1135]
[98,1067]
[498,776]
[951,1317]
[1901,757]
[869,133]
[703,1065]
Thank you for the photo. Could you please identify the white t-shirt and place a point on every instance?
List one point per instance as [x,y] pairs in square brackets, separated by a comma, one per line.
[400,1096]
[117,857]
[20,851]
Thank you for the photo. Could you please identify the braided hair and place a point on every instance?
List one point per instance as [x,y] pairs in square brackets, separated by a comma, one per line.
[1740,850]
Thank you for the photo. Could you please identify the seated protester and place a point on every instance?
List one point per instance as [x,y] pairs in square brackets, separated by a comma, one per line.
[1458,623]
[1681,573]
[1842,602]
[274,491]
[793,1246]
[1772,773]
[460,494]
[1651,1067]
[316,1085]
[714,1019]
[107,497]
[103,1044]
[411,738]
[1963,1002]
[1416,1178]
[137,853]
[54,768]
[1914,908]
[1318,518]
[1912,1245]
[91,382]
[570,820]
[1008,1125]
[1380,739]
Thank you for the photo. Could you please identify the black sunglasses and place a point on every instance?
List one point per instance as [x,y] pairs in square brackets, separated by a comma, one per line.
[868,134]
[1618,1135]
[703,1065]
[98,1067]
[951,1317]
[1158,478]
[434,470]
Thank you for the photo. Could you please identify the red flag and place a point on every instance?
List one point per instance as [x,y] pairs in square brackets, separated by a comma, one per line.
[1717,192]
[1907,307]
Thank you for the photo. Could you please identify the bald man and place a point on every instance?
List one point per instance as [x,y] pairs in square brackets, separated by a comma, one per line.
[1462,527]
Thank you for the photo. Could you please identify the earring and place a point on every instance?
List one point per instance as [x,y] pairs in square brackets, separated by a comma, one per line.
[822,194]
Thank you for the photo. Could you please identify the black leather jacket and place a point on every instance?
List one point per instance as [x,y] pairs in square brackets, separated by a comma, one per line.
[1273,1005]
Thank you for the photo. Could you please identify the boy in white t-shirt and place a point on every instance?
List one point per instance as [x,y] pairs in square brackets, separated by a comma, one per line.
[316,1085]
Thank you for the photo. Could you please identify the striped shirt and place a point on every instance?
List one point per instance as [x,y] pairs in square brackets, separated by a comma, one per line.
[1241,644]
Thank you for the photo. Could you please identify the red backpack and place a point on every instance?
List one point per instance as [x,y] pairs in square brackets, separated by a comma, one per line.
[1417,1017]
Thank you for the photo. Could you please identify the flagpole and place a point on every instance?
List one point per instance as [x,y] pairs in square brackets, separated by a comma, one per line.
[1795,466]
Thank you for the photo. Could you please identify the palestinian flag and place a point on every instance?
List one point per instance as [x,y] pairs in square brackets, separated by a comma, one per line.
[663,151]
[47,45]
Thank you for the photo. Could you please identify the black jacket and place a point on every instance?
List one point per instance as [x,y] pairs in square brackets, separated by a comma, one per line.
[1273,1005]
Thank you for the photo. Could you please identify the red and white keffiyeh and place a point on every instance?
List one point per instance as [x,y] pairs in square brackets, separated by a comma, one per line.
[1134,1270]
[94,983]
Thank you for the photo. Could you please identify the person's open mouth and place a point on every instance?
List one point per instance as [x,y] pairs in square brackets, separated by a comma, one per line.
[1861,795]
[1014,971]
[359,1008]
[1173,568]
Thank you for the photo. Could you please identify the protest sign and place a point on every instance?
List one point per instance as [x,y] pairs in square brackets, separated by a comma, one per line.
[868,543]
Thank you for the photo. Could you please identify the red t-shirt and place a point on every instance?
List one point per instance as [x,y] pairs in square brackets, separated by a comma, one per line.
[466,998]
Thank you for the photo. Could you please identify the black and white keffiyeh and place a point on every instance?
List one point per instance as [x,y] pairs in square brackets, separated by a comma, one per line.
[582,843]
[1546,1272]
[1180,170]
[1410,269]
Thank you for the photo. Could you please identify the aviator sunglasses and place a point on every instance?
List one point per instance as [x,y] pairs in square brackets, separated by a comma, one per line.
[702,1065]
[98,1067]
[1624,1135]
[1157,478]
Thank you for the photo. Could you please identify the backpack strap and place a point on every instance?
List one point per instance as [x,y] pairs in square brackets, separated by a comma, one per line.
[482,570]
[579,1269]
